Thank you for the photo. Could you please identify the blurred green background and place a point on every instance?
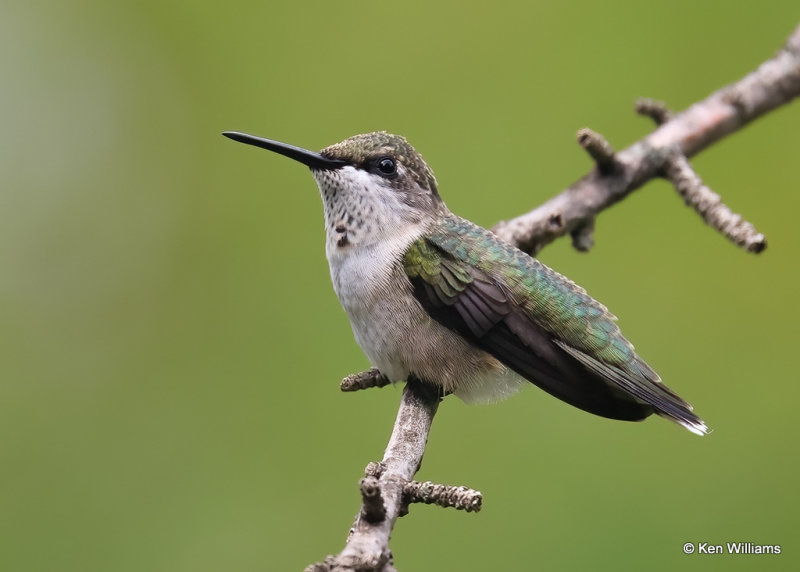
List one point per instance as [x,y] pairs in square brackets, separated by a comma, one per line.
[171,345]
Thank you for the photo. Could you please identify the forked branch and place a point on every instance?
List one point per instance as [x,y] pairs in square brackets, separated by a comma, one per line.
[774,83]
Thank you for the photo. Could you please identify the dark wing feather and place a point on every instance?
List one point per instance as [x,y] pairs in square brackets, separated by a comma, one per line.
[596,370]
[479,308]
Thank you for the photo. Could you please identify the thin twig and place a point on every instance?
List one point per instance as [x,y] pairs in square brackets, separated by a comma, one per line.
[654,109]
[372,508]
[459,498]
[583,236]
[598,148]
[710,207]
[364,380]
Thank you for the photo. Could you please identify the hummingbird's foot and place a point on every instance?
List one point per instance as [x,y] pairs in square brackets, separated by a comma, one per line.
[364,380]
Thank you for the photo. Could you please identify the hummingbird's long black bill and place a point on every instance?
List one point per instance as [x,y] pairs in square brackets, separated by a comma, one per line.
[309,158]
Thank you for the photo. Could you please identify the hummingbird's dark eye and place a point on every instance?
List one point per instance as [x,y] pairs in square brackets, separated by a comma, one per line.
[386,166]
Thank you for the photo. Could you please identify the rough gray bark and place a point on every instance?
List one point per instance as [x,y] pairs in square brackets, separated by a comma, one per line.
[774,83]
[368,542]
[388,487]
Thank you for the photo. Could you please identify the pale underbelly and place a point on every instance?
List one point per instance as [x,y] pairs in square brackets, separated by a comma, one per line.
[400,339]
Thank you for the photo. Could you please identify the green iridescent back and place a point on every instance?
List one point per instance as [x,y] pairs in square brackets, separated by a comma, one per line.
[551,300]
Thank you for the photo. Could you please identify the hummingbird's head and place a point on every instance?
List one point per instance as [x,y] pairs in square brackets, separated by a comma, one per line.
[389,162]
[379,171]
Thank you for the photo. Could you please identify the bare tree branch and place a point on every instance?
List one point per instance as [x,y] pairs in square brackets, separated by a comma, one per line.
[774,83]
[368,543]
[388,486]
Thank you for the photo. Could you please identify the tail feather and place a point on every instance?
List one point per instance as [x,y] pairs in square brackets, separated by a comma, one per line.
[643,383]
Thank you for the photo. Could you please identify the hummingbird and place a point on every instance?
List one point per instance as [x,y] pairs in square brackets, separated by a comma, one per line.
[432,295]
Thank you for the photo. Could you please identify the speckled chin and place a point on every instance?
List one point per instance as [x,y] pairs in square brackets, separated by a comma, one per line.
[358,209]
